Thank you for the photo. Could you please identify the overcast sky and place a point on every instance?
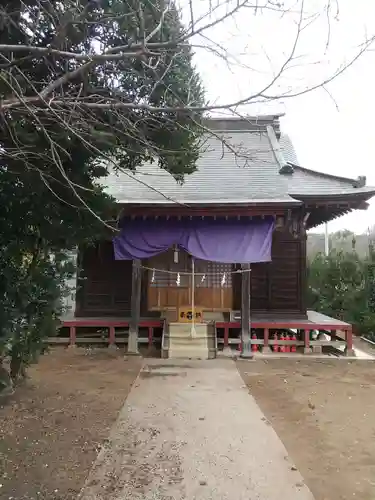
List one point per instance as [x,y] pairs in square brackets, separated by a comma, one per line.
[332,129]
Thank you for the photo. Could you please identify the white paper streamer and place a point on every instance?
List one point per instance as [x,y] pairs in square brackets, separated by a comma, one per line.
[223,279]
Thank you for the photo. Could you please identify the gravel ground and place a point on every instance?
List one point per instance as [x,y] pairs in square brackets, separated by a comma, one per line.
[323,410]
[191,430]
[52,429]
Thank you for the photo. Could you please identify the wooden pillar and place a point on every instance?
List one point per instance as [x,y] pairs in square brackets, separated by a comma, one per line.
[150,336]
[135,308]
[245,313]
[349,351]
[226,348]
[307,348]
[72,336]
[266,348]
[303,272]
[112,337]
[226,336]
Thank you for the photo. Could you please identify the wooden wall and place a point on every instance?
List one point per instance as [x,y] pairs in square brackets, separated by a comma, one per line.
[277,287]
[104,284]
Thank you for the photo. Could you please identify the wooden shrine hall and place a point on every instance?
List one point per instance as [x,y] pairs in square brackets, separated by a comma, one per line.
[219,260]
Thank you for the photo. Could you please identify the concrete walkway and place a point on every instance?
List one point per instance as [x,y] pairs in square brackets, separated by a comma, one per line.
[190,430]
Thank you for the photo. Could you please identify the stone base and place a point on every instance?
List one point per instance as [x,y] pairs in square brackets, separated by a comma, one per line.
[307,350]
[113,347]
[246,355]
[132,353]
[70,346]
[266,349]
[133,344]
[350,352]
[317,349]
[227,351]
[212,353]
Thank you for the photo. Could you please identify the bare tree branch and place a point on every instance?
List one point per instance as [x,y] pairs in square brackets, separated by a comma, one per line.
[91,65]
[112,54]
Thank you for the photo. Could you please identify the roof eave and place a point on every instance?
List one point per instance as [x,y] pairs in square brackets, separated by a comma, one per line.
[204,203]
[334,208]
[355,183]
[360,195]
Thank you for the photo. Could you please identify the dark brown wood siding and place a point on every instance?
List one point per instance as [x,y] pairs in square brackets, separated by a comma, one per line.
[277,287]
[104,287]
[285,273]
[259,288]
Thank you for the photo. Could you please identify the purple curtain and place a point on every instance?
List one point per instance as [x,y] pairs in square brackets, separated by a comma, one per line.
[227,241]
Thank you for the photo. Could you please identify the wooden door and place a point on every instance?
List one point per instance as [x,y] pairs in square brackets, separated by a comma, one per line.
[213,290]
[164,292]
[211,293]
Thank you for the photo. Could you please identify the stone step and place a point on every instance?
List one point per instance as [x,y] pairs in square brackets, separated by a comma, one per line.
[186,327]
[188,342]
[180,344]
[188,336]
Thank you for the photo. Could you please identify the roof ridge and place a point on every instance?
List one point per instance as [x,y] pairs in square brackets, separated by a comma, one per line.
[244,123]
[267,116]
[275,146]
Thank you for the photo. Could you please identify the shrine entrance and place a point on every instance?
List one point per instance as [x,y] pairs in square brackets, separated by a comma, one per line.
[170,282]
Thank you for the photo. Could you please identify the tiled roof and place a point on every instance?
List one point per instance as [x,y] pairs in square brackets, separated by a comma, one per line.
[222,176]
[307,182]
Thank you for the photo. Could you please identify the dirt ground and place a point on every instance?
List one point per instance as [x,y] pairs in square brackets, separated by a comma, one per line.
[324,412]
[52,428]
